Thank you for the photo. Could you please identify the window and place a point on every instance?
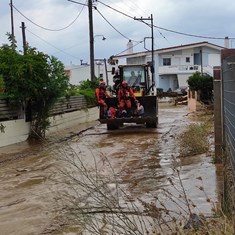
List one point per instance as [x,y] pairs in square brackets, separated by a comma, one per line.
[187,59]
[166,61]
[133,75]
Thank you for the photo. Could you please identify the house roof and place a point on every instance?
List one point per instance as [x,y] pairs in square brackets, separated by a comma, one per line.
[170,49]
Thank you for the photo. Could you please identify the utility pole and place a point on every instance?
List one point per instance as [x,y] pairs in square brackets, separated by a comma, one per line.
[24,37]
[152,68]
[152,47]
[201,61]
[12,21]
[91,33]
[106,72]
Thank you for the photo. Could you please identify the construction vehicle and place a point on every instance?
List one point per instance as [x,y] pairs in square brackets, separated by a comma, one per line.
[145,92]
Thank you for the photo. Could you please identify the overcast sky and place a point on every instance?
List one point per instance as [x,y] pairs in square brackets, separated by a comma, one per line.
[61,28]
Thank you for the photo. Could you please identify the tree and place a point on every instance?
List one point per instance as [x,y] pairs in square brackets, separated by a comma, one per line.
[35,80]
[203,83]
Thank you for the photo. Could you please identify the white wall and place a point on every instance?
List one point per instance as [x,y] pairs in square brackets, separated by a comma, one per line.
[68,120]
[182,79]
[18,130]
[80,73]
[14,132]
[214,60]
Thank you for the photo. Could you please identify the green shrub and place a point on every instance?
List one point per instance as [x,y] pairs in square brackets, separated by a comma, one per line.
[89,94]
[86,88]
[202,83]
[35,79]
[86,84]
[2,85]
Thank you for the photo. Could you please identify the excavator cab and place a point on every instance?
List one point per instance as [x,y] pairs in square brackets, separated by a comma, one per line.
[136,77]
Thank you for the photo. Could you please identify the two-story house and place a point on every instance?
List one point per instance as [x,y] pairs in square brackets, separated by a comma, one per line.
[174,65]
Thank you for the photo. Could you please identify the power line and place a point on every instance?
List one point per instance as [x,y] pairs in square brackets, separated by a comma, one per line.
[116,10]
[163,36]
[129,48]
[165,29]
[52,45]
[114,27]
[78,3]
[190,35]
[48,28]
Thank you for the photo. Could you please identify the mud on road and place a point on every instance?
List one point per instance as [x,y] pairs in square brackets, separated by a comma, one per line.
[143,160]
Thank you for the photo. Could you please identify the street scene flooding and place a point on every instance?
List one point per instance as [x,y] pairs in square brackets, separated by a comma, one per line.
[142,161]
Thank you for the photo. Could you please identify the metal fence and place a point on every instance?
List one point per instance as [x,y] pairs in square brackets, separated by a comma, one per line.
[7,112]
[63,105]
[228,74]
[71,104]
[228,106]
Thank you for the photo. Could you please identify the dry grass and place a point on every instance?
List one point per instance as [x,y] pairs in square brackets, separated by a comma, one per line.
[195,138]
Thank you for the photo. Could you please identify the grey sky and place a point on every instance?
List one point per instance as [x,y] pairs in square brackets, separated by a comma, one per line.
[197,17]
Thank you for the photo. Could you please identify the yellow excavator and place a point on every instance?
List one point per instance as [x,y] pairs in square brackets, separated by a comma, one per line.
[137,77]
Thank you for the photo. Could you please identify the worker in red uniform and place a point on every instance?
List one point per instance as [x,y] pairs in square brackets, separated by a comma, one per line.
[101,94]
[124,100]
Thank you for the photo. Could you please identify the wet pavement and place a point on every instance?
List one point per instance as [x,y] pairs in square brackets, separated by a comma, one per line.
[142,159]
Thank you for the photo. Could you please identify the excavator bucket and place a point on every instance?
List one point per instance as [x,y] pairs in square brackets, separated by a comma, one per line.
[149,118]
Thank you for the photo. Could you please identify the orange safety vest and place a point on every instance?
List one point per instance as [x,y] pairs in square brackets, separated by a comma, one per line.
[100,94]
[123,93]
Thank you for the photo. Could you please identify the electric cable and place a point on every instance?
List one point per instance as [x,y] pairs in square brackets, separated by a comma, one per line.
[48,28]
[114,27]
[116,10]
[129,48]
[191,35]
[51,44]
[165,29]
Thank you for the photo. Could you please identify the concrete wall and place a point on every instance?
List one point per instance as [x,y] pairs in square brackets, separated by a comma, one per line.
[69,120]
[192,101]
[12,132]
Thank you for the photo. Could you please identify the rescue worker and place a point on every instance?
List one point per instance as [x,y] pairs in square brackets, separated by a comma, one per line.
[133,79]
[111,113]
[139,109]
[117,82]
[124,100]
[101,94]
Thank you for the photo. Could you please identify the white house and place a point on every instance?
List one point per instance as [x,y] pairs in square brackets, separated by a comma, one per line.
[78,73]
[173,65]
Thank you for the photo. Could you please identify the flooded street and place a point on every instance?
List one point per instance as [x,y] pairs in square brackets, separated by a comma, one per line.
[142,161]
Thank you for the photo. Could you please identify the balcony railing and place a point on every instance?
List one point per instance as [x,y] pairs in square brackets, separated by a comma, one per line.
[187,69]
[179,69]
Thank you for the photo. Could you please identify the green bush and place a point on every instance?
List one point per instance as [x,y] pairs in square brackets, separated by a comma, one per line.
[204,84]
[89,94]
[35,79]
[89,84]
[86,88]
[2,85]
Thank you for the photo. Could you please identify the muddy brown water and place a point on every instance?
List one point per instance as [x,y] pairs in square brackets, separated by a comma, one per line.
[142,158]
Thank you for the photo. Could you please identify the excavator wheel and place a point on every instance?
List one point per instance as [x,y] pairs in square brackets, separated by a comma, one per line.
[112,126]
[151,125]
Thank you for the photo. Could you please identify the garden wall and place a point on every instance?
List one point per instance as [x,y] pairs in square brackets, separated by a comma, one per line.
[67,113]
